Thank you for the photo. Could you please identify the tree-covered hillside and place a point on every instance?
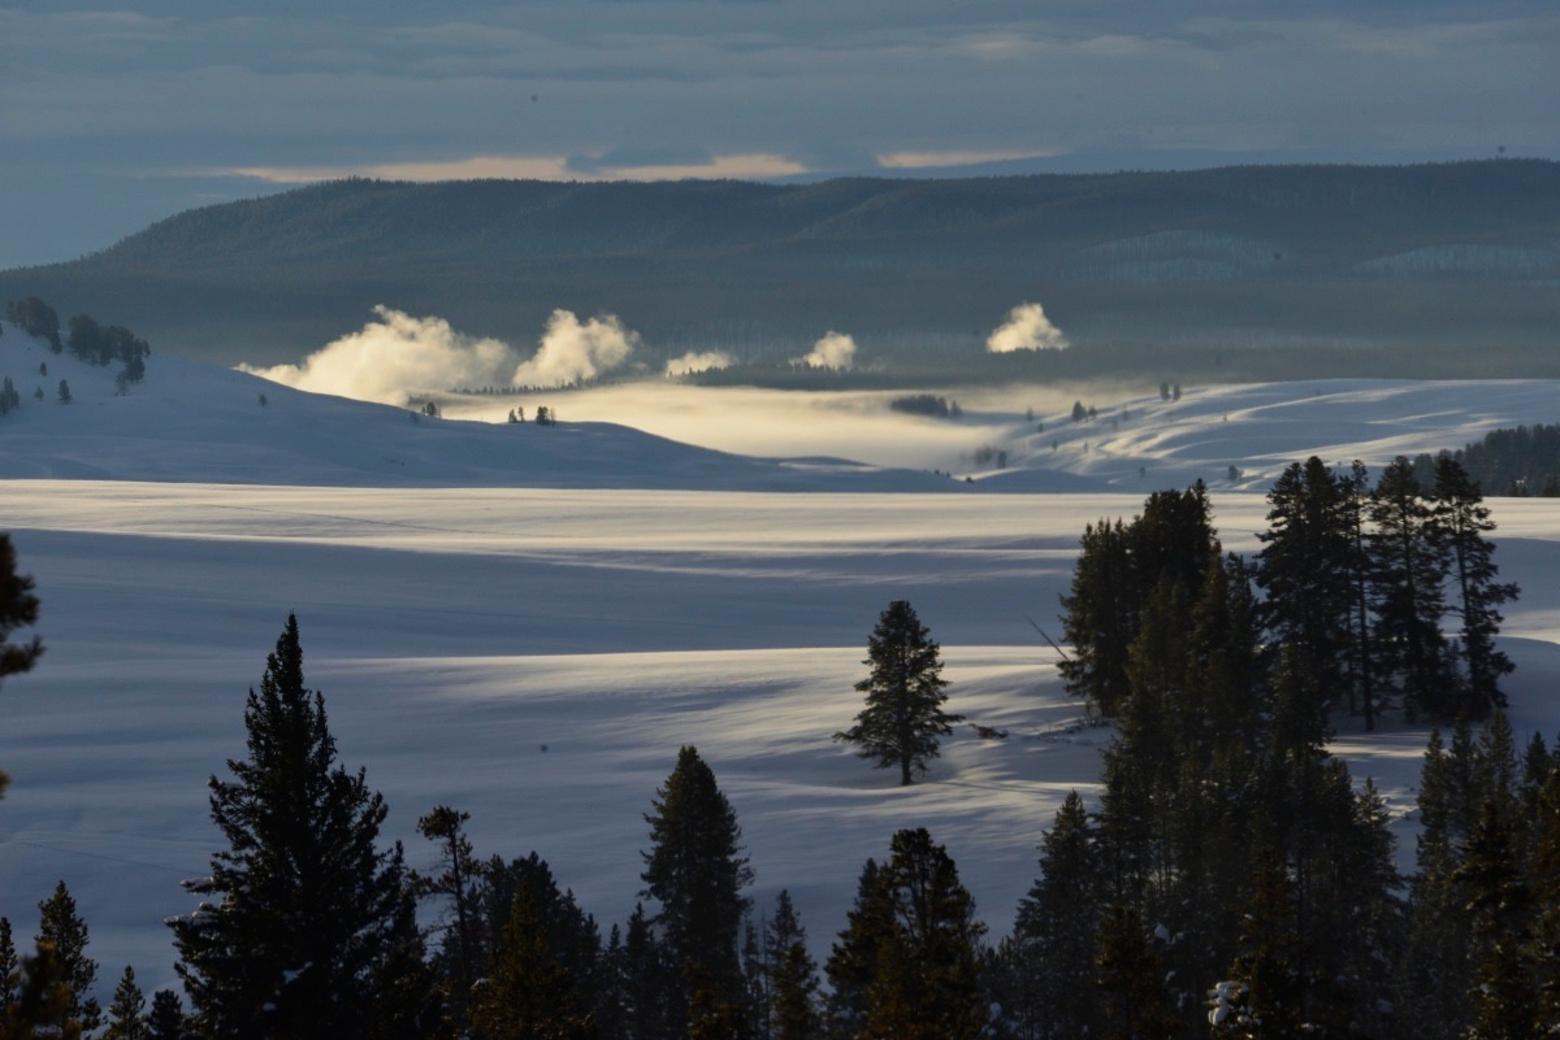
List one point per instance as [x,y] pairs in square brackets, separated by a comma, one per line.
[1339,265]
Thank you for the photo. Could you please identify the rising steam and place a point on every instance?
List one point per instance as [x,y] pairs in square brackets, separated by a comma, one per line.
[835,350]
[393,358]
[399,356]
[1027,328]
[571,352]
[698,361]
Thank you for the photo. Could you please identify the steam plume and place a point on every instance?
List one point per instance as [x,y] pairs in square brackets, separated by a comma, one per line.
[834,350]
[572,351]
[698,361]
[1027,328]
[393,358]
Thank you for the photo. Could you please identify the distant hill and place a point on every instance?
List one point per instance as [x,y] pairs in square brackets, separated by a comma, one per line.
[189,422]
[1333,263]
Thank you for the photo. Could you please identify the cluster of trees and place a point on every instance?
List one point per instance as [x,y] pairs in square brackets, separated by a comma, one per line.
[1080,413]
[1521,461]
[93,343]
[928,404]
[1358,583]
[1169,391]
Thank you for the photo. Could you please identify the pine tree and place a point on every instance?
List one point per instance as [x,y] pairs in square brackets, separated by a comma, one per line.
[793,977]
[458,879]
[1354,507]
[40,1006]
[646,980]
[1099,619]
[167,1020]
[1498,897]
[1304,566]
[1129,981]
[696,871]
[528,993]
[1053,942]
[853,959]
[18,609]
[1263,998]
[903,721]
[61,928]
[309,929]
[64,392]
[925,979]
[1408,568]
[9,967]
[1462,520]
[1544,879]
[127,1012]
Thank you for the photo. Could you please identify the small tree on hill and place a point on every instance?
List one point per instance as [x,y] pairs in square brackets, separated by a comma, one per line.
[903,721]
[64,392]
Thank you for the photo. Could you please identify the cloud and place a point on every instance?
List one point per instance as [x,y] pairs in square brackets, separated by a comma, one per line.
[698,361]
[1027,328]
[834,350]
[572,352]
[527,167]
[394,358]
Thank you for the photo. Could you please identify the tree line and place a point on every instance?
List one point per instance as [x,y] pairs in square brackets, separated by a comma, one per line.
[1520,461]
[87,340]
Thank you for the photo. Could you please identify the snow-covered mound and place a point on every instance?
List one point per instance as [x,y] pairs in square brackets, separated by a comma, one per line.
[1260,428]
[192,422]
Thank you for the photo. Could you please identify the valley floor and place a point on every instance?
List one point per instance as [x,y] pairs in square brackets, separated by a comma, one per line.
[536,657]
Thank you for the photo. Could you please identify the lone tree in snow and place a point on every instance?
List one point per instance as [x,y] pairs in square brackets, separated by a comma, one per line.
[64,392]
[903,721]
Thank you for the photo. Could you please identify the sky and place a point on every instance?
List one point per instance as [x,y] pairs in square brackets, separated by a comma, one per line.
[115,113]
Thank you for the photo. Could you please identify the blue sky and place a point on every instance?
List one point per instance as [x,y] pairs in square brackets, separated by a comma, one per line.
[114,114]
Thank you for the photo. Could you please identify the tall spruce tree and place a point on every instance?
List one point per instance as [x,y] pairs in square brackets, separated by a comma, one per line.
[127,1011]
[793,977]
[1100,617]
[1497,895]
[903,722]
[528,994]
[1129,981]
[853,959]
[457,878]
[696,871]
[1544,879]
[167,1020]
[1264,997]
[924,952]
[1304,567]
[1354,505]
[1408,570]
[1052,949]
[308,929]
[62,929]
[1462,520]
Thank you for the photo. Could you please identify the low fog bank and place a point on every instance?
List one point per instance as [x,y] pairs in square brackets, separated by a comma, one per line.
[860,425]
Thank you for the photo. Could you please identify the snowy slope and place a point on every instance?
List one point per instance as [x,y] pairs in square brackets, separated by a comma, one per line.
[1262,427]
[456,632]
[194,422]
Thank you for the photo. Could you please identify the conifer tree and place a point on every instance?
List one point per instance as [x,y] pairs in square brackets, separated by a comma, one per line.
[696,872]
[1304,566]
[457,878]
[1130,981]
[528,993]
[309,926]
[1354,507]
[646,980]
[853,959]
[61,928]
[1053,943]
[1500,902]
[127,1012]
[924,975]
[10,967]
[18,610]
[1264,996]
[1544,874]
[167,1020]
[42,997]
[1099,619]
[1462,520]
[904,721]
[793,977]
[1408,568]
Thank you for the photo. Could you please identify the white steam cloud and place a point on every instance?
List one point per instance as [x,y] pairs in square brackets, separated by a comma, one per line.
[1027,328]
[834,350]
[698,361]
[393,358]
[571,351]
[399,356]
